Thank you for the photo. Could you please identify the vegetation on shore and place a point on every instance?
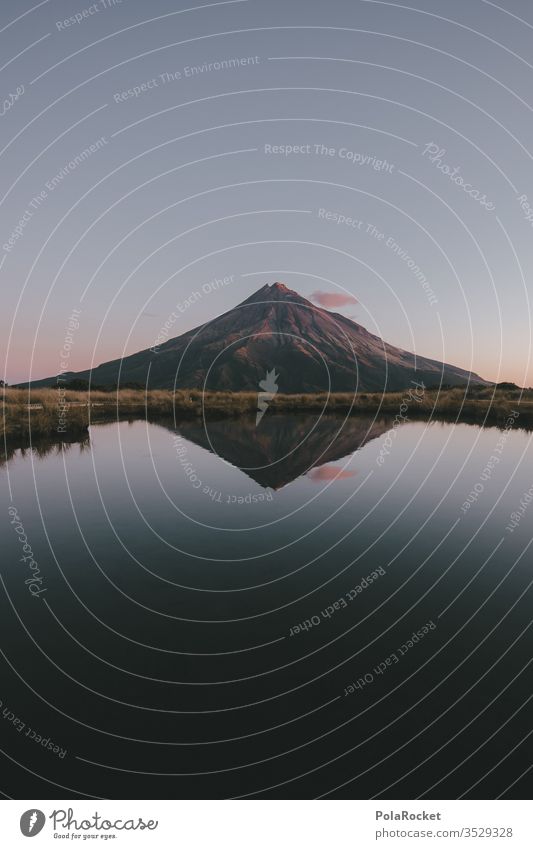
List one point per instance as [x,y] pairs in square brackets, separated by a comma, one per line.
[64,412]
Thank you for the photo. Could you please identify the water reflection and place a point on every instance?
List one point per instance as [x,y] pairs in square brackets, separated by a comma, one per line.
[43,446]
[285,447]
[183,621]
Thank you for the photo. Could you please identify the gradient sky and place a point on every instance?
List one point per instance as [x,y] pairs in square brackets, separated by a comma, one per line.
[181,191]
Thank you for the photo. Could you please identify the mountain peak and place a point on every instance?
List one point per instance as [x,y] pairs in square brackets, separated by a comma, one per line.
[280,290]
[276,292]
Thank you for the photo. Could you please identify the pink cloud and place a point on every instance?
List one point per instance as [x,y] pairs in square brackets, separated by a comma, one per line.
[330,473]
[333,299]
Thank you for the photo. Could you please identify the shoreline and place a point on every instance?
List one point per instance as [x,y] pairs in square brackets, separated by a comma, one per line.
[43,414]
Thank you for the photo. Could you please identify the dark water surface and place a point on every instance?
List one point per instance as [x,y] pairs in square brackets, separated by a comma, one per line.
[229,611]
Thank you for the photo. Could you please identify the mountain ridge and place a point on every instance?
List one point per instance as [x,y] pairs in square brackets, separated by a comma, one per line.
[310,348]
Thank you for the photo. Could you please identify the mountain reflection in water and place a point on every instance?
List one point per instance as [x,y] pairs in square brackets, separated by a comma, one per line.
[285,447]
[280,450]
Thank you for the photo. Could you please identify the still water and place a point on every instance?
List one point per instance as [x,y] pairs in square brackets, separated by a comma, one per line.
[303,608]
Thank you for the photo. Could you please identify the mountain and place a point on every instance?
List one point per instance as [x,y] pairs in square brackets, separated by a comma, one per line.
[309,348]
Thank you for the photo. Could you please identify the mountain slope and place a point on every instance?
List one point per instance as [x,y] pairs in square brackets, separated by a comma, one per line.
[311,350]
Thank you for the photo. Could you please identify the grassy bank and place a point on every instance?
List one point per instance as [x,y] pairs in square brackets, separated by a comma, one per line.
[46,412]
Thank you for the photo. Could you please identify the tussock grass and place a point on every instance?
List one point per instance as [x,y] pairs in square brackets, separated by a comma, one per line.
[17,419]
[37,412]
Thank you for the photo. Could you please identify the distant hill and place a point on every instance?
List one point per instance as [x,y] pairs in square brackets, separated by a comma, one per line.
[310,349]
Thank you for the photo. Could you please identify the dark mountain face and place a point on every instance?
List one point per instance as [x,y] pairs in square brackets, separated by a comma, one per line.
[310,349]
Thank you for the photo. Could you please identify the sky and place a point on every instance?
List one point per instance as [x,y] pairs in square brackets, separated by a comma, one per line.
[164,158]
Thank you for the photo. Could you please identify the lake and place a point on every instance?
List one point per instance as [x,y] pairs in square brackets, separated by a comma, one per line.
[307,607]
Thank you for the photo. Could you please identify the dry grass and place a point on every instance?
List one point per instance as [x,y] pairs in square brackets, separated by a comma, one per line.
[38,412]
[459,402]
[18,420]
